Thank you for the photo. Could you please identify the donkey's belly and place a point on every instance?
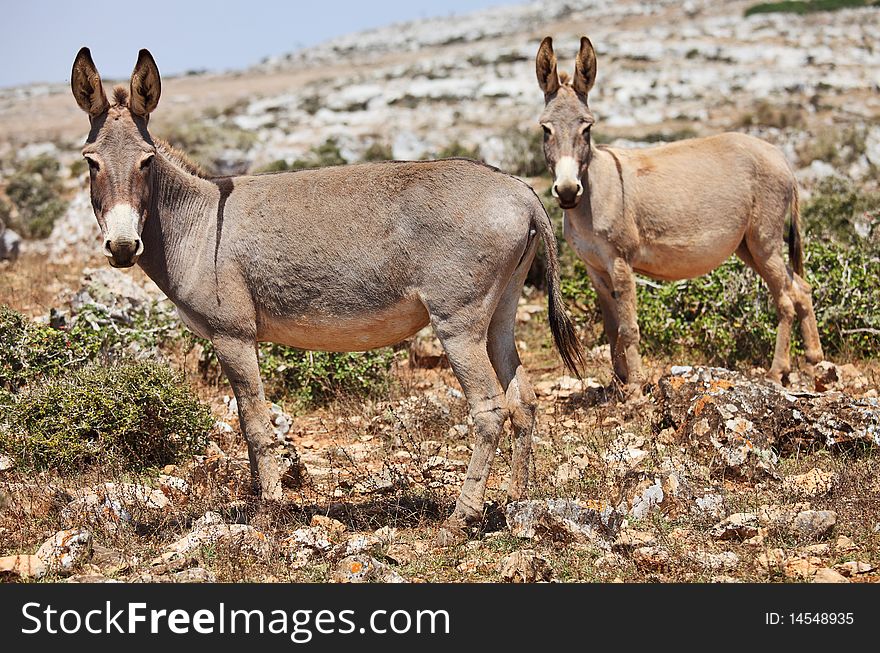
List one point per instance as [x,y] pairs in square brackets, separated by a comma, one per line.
[347,332]
[673,261]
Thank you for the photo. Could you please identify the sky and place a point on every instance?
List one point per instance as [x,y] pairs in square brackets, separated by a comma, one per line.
[40,38]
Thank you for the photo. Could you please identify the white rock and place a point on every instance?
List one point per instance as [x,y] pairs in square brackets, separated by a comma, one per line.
[66,550]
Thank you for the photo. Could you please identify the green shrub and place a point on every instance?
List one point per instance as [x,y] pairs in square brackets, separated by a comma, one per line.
[135,414]
[325,154]
[457,149]
[279,165]
[78,168]
[35,189]
[766,114]
[315,378]
[137,332]
[524,152]
[31,350]
[837,210]
[846,296]
[320,156]
[378,152]
[208,142]
[806,6]
[839,147]
[727,317]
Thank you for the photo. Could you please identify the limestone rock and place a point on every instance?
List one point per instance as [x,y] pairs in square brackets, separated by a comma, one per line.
[651,558]
[738,424]
[815,524]
[116,505]
[724,561]
[563,519]
[826,575]
[24,566]
[211,531]
[813,483]
[632,539]
[524,566]
[66,550]
[364,569]
[854,568]
[738,526]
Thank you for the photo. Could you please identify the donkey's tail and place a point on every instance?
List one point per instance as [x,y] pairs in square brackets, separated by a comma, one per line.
[560,325]
[795,246]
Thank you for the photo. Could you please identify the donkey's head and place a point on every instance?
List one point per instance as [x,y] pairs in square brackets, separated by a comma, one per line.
[119,151]
[566,119]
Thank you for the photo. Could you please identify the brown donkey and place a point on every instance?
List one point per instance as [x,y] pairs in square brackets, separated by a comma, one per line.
[670,212]
[340,259]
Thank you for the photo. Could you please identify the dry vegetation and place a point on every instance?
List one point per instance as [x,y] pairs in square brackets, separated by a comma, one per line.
[395,461]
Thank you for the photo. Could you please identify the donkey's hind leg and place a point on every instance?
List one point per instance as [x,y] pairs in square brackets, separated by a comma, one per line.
[521,399]
[799,293]
[803,304]
[767,261]
[468,356]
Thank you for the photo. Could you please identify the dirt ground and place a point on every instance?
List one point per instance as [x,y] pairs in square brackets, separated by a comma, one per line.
[384,473]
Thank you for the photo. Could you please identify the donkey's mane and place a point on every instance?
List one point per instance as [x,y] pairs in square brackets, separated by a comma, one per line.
[120,96]
[565,79]
[179,158]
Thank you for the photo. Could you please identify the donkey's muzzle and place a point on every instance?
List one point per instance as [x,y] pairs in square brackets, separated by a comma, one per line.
[568,195]
[123,253]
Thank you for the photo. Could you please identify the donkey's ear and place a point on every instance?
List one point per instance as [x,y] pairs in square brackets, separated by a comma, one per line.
[85,82]
[585,67]
[145,85]
[545,67]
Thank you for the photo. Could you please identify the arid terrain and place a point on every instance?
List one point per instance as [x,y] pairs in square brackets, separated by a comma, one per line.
[718,477]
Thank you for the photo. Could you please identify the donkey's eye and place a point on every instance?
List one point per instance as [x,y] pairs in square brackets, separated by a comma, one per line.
[547,131]
[146,162]
[585,130]
[93,165]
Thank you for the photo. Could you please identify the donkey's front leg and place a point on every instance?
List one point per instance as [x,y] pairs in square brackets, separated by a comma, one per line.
[470,361]
[238,358]
[608,306]
[623,281]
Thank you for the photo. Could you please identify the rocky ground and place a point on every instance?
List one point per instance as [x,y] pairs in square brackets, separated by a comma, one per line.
[718,477]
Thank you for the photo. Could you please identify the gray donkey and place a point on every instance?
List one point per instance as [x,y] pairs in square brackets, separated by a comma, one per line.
[674,211]
[344,258]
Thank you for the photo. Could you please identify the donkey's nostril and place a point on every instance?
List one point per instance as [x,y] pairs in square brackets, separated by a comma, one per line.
[107,249]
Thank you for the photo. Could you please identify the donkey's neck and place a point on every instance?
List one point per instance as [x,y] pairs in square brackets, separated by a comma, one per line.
[603,183]
[178,229]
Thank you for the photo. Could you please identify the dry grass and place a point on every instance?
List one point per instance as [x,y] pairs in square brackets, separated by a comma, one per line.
[367,462]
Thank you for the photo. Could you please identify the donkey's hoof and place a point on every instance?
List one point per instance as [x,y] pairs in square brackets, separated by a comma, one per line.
[632,393]
[272,494]
[450,535]
[777,377]
[293,471]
